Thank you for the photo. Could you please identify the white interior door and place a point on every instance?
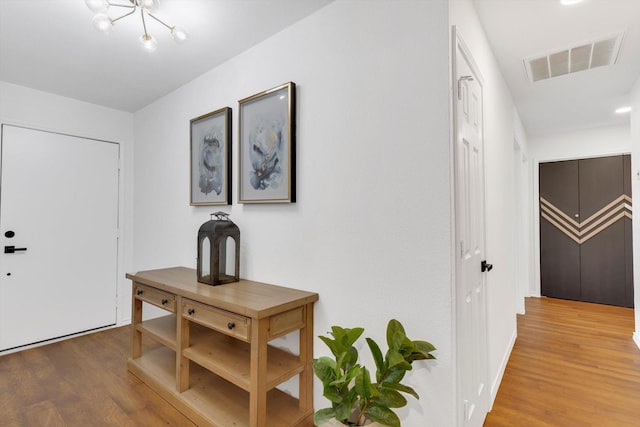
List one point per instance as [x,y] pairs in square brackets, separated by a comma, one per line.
[59,213]
[472,347]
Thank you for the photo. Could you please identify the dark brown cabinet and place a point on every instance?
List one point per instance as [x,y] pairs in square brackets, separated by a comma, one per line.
[585,230]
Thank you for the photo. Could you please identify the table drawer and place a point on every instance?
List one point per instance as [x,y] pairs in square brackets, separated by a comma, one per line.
[155,296]
[283,323]
[222,321]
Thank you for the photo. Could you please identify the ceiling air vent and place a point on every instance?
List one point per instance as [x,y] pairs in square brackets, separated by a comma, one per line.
[571,60]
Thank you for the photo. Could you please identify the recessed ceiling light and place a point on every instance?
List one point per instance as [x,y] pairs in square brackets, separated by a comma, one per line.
[570,2]
[623,110]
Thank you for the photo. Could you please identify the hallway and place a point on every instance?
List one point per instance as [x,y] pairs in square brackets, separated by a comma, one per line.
[573,364]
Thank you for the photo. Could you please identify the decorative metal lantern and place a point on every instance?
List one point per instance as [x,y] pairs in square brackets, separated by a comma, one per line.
[218,261]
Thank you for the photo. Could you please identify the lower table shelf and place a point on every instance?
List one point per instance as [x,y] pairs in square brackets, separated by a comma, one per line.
[162,329]
[230,359]
[157,369]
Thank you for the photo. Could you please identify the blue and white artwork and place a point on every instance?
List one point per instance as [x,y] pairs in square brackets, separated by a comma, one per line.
[211,162]
[267,146]
[210,154]
[266,152]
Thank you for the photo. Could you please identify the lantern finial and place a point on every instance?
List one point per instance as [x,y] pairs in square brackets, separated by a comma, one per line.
[222,216]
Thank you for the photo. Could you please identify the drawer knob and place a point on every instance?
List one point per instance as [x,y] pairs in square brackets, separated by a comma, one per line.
[140,292]
[231,325]
[164,301]
[191,311]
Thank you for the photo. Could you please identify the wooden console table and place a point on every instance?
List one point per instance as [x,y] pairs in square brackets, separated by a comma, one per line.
[215,364]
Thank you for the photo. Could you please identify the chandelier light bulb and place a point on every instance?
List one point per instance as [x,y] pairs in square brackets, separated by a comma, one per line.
[102,22]
[148,42]
[97,6]
[150,5]
[179,34]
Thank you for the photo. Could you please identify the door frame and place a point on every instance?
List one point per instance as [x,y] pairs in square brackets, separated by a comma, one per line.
[459,44]
[523,198]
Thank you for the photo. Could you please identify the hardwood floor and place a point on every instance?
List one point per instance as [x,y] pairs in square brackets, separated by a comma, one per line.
[80,382]
[573,364]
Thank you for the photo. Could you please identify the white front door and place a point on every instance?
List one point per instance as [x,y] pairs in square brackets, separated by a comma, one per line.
[58,235]
[471,317]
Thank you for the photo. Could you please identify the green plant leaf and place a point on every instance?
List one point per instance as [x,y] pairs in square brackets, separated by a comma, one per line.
[406,347]
[397,361]
[331,344]
[345,337]
[399,387]
[382,415]
[390,398]
[363,385]
[425,348]
[345,379]
[342,412]
[323,415]
[333,394]
[353,335]
[350,359]
[377,357]
[325,368]
[394,375]
[393,327]
[400,343]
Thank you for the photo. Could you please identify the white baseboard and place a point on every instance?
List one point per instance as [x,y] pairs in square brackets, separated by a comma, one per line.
[503,366]
[636,338]
[54,340]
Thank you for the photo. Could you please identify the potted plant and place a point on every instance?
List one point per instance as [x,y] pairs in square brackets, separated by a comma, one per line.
[355,399]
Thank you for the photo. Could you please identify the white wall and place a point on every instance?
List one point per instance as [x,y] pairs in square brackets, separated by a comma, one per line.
[597,142]
[371,229]
[40,110]
[502,126]
[635,189]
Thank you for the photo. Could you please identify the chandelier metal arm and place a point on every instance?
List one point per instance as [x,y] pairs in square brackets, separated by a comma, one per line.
[157,19]
[144,24]
[132,7]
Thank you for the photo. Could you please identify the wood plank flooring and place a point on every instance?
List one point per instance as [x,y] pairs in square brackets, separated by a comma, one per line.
[573,364]
[80,382]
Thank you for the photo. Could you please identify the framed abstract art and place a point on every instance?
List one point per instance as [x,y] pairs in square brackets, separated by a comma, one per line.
[211,158]
[267,146]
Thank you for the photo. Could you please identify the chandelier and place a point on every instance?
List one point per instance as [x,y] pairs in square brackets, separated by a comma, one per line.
[103,22]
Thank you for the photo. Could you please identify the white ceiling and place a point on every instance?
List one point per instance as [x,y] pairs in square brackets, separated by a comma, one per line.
[51,45]
[519,29]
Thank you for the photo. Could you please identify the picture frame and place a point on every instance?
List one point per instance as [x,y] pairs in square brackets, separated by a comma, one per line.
[210,158]
[267,146]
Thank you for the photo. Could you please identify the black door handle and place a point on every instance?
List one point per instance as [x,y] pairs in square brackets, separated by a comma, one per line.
[484,266]
[12,249]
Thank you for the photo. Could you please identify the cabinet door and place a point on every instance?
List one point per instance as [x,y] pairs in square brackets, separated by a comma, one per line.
[585,230]
[603,253]
[559,230]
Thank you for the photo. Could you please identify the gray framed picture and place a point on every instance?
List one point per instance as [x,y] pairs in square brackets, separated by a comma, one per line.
[211,158]
[267,146]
